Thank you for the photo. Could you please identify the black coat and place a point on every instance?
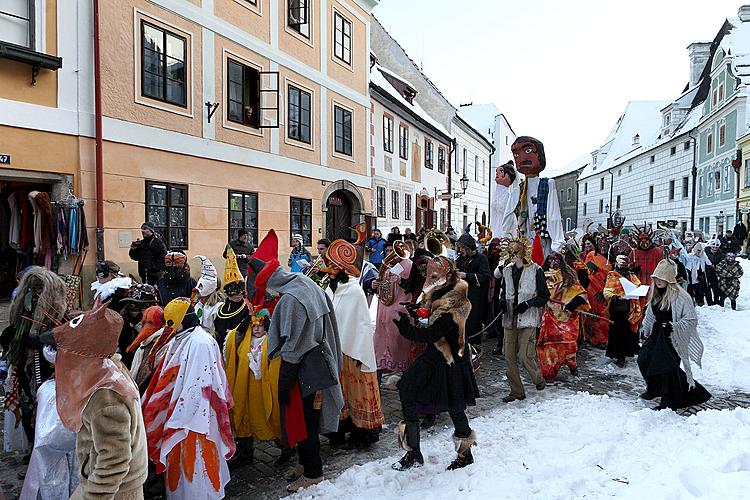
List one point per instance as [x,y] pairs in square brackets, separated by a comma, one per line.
[149,253]
[477,269]
[430,379]
[241,248]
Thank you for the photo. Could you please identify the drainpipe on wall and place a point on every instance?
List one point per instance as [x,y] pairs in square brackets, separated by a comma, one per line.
[489,186]
[451,149]
[99,173]
[611,190]
[694,173]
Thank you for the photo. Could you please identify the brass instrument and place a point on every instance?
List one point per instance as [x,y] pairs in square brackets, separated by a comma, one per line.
[436,242]
[386,293]
[314,267]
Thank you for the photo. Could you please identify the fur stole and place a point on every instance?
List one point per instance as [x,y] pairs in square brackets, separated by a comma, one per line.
[456,303]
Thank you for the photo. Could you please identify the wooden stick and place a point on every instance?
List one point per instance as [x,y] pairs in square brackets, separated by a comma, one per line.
[585,313]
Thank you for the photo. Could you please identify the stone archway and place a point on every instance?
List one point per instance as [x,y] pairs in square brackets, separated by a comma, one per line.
[343,207]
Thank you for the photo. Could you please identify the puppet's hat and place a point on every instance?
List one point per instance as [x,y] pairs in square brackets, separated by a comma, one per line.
[208,282]
[231,270]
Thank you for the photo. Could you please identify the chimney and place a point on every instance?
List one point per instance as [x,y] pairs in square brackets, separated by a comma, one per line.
[744,13]
[699,54]
[636,140]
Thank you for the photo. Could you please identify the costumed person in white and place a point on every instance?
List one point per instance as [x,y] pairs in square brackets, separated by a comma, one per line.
[505,193]
[186,409]
[538,208]
[696,265]
[53,468]
[110,284]
[362,414]
[207,298]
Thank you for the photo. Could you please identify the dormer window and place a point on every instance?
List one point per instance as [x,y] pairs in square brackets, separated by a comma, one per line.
[636,140]
[667,120]
[409,95]
[721,92]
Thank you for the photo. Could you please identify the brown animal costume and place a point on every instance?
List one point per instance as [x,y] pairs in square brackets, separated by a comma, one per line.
[441,378]
[97,398]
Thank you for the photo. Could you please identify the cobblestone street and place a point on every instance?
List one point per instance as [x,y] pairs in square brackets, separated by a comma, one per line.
[261,480]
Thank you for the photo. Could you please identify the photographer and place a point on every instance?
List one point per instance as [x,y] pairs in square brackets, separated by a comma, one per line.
[149,253]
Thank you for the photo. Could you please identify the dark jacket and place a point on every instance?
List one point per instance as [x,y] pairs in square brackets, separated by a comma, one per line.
[149,253]
[241,248]
[174,285]
[477,269]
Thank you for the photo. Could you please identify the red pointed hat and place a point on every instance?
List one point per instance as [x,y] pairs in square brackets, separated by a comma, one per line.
[263,263]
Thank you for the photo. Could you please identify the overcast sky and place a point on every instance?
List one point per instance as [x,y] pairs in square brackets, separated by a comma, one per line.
[562,71]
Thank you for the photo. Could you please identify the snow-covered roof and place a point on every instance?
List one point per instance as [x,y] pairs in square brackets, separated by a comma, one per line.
[377,78]
[481,117]
[580,162]
[642,118]
[737,44]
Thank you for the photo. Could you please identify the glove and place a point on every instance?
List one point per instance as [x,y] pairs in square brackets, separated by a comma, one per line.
[402,322]
[502,307]
[411,308]
[521,308]
[287,379]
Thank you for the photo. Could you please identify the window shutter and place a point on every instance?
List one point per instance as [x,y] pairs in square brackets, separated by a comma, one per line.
[269,99]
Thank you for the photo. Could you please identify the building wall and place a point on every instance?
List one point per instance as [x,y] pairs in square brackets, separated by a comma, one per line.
[567,188]
[401,175]
[475,201]
[743,201]
[632,180]
[148,140]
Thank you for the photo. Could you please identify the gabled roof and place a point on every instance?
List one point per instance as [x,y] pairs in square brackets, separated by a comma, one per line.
[642,118]
[379,82]
[581,162]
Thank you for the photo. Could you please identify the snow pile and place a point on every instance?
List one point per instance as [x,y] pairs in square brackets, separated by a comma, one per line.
[726,337]
[571,446]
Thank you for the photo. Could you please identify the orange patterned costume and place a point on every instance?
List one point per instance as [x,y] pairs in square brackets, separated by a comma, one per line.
[559,330]
[596,331]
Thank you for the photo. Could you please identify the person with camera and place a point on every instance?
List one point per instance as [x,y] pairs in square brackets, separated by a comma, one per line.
[149,252]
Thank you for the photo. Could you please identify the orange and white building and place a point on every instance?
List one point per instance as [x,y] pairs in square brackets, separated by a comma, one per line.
[215,115]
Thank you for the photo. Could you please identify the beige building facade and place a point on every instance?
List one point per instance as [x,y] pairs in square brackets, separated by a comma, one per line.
[216,115]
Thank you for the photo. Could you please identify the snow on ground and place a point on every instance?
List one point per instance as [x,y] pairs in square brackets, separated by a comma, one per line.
[559,444]
[571,446]
[726,338]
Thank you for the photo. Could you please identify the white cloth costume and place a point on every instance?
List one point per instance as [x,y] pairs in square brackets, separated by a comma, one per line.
[503,221]
[356,332]
[554,219]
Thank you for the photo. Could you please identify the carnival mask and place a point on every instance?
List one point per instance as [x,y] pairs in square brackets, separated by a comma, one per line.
[208,282]
[644,237]
[439,271]
[92,334]
[555,262]
[528,154]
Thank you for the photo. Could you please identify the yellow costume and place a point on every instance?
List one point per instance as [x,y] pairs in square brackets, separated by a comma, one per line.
[256,405]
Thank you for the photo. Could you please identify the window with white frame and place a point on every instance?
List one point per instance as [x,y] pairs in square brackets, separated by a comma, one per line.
[484,173]
[711,184]
[568,224]
[342,130]
[380,202]
[300,111]
[651,194]
[747,173]
[570,194]
[476,168]
[163,65]
[722,134]
[441,159]
[455,160]
[17,22]
[428,154]
[617,202]
[585,188]
[710,143]
[584,208]
[671,190]
[407,206]
[601,206]
[403,142]
[387,134]
[342,38]
[466,161]
[701,186]
[727,179]
[685,187]
[298,16]
[395,200]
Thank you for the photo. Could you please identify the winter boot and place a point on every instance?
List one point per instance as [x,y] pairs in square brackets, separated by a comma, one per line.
[408,439]
[463,450]
[428,421]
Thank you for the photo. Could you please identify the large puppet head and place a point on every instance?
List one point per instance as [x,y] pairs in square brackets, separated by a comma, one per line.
[529,155]
[505,174]
[92,334]
[341,256]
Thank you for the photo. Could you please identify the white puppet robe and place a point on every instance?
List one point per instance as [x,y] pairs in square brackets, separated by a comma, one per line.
[554,219]
[503,220]
[187,406]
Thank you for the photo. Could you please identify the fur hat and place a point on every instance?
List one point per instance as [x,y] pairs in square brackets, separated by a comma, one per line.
[666,271]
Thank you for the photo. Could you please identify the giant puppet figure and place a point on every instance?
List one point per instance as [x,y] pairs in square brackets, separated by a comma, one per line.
[538,208]
[503,222]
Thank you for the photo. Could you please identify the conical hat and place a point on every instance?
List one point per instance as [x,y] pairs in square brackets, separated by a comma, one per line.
[208,282]
[232,270]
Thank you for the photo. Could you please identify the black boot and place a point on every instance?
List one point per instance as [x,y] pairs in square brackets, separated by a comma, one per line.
[462,461]
[408,438]
[428,421]
[463,450]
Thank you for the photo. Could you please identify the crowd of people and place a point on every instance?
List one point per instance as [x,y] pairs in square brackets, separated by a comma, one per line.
[165,383]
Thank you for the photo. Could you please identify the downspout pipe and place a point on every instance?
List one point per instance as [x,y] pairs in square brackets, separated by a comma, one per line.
[611,190]
[99,170]
[451,150]
[694,173]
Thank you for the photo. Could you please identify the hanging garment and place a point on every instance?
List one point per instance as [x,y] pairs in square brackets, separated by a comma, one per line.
[14,235]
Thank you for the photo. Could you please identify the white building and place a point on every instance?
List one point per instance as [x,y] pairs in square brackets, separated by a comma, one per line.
[408,158]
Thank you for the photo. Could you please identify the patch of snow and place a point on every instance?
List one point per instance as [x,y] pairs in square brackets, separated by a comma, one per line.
[566,445]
